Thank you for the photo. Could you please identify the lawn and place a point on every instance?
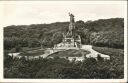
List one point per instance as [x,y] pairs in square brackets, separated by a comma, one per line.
[70,53]
[36,52]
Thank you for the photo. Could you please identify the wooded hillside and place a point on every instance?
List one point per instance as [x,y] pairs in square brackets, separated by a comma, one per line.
[102,32]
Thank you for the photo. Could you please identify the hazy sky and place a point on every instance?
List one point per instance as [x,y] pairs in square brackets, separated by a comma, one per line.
[17,13]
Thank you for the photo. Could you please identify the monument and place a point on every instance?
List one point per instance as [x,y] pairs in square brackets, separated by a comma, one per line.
[71,40]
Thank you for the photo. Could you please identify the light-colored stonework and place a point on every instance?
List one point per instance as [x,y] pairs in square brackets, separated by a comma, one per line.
[71,40]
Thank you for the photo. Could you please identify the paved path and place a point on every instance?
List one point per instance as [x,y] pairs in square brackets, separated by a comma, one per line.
[93,52]
[84,47]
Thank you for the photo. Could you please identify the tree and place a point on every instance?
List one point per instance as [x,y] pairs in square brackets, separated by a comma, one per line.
[42,37]
[18,48]
[57,38]
[99,58]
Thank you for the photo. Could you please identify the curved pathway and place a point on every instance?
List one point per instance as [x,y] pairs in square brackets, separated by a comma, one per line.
[94,53]
[49,51]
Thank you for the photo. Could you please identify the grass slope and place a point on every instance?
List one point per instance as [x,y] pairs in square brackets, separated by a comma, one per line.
[69,53]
